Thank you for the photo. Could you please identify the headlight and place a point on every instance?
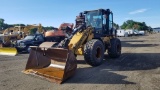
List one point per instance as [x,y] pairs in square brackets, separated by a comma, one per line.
[22,44]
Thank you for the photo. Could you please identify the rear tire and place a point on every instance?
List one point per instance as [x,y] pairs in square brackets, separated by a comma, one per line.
[115,50]
[94,52]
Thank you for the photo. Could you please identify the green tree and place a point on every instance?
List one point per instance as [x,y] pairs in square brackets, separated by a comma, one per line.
[124,25]
[18,24]
[49,28]
[130,24]
[1,24]
[33,31]
[136,26]
[115,25]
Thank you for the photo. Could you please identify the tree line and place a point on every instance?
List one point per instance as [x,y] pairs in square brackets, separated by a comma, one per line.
[4,25]
[129,24]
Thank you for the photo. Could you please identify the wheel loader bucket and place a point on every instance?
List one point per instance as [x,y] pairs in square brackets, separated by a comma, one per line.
[8,51]
[55,64]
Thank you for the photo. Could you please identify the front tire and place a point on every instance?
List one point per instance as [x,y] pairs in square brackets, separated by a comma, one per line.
[28,49]
[94,52]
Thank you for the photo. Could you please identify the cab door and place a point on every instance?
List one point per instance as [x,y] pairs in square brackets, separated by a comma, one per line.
[108,23]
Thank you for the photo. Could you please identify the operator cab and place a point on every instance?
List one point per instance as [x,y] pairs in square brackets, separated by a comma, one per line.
[101,20]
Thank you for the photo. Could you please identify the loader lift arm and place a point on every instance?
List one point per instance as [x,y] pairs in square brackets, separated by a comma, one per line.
[77,39]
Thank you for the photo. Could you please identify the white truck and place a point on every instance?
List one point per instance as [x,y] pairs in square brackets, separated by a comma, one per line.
[122,33]
[141,33]
[129,31]
[132,32]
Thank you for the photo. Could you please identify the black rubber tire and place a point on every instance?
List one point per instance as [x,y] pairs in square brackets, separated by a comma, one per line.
[19,50]
[28,49]
[115,50]
[94,52]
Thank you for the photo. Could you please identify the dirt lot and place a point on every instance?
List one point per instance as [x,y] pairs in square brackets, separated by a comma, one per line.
[138,68]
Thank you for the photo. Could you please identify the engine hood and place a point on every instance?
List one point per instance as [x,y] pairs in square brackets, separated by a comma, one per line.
[24,41]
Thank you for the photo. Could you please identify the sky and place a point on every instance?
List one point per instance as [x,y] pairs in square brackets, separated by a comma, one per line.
[55,12]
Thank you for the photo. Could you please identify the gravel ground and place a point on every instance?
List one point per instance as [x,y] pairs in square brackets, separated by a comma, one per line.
[138,68]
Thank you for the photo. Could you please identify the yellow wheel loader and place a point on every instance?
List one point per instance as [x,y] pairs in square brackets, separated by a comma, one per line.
[92,36]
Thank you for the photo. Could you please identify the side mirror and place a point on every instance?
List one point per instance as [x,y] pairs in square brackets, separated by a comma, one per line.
[36,39]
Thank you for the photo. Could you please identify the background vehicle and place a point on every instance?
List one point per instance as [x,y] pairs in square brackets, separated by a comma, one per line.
[92,36]
[141,32]
[30,40]
[130,32]
[59,35]
[122,33]
[136,32]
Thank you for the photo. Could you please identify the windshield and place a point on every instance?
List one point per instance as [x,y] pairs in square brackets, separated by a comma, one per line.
[29,37]
[94,18]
